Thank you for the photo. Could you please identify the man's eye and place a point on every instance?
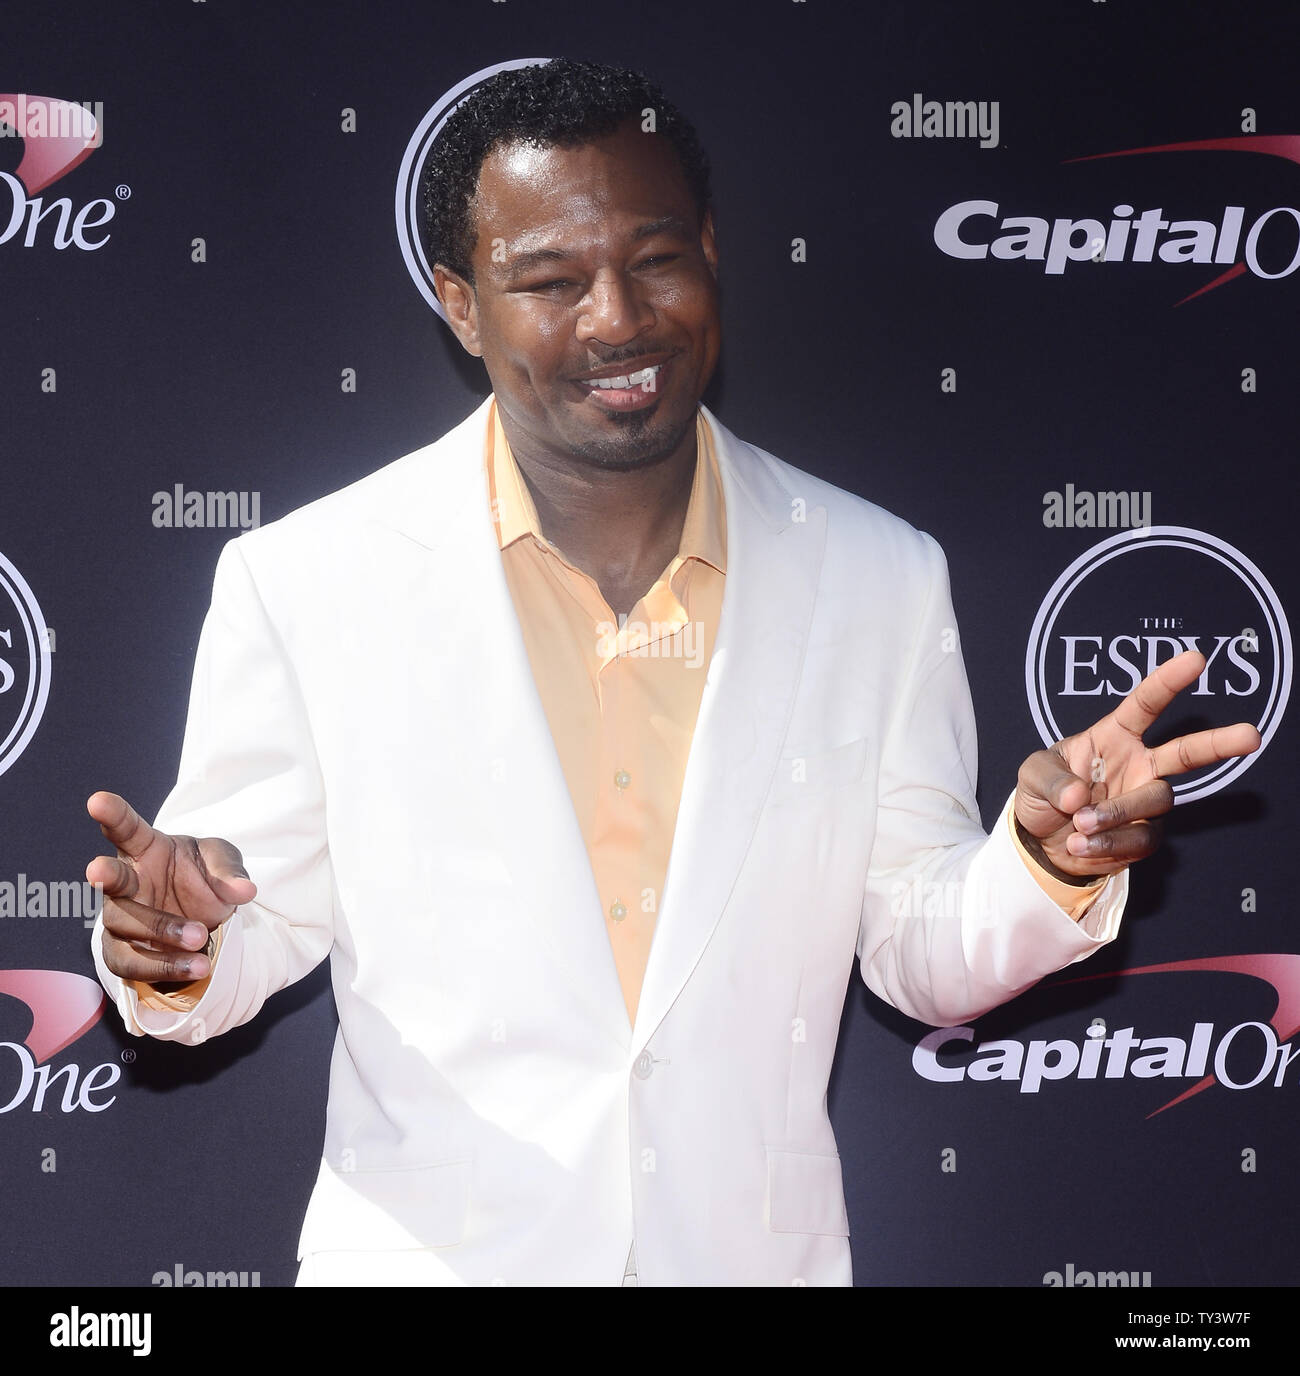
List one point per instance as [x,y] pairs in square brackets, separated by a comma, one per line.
[552,286]
[658,260]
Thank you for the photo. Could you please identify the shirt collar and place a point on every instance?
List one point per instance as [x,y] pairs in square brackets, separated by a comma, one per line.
[704,531]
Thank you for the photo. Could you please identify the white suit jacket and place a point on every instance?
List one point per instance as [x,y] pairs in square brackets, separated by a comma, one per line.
[365,727]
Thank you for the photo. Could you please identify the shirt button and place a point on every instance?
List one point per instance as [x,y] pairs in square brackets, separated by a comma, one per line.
[618,911]
[643,1067]
[622,779]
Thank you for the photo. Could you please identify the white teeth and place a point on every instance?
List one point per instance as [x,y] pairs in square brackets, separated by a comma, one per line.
[640,379]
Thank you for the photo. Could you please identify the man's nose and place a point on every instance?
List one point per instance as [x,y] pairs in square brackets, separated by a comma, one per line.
[614,312]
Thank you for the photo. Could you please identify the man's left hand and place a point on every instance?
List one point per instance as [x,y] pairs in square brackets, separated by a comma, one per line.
[1085,806]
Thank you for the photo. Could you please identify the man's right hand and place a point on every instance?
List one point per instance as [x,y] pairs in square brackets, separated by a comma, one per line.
[163,895]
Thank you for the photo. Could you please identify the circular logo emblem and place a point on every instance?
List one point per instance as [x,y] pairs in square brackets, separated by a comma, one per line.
[410,214]
[1130,603]
[24,664]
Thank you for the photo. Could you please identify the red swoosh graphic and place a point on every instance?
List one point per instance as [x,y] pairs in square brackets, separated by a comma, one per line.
[46,159]
[63,1005]
[1282,972]
[1234,271]
[1271,145]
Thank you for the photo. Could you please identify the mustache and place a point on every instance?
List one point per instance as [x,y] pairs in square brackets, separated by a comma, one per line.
[617,359]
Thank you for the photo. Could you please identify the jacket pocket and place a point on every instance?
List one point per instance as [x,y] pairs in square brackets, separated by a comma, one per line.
[805,1194]
[804,775]
[382,1210]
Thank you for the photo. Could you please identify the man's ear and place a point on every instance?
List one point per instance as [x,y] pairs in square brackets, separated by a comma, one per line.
[461,304]
[709,243]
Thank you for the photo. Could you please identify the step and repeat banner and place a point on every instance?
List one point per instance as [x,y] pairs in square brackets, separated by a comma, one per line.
[1025,275]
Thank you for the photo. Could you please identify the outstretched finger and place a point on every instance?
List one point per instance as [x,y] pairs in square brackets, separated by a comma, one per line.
[115,878]
[1139,804]
[132,960]
[121,824]
[1146,702]
[144,926]
[1204,747]
[1106,851]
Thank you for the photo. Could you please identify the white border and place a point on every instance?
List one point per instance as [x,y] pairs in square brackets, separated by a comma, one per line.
[1198,542]
[407,202]
[38,657]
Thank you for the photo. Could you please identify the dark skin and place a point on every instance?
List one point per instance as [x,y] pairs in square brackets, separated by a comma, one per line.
[590,260]
[593,260]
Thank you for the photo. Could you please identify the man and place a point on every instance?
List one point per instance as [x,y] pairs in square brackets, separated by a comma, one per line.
[641,736]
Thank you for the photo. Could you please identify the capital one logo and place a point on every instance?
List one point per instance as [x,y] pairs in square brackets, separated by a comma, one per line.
[24,664]
[410,192]
[1141,597]
[1265,242]
[57,135]
[1246,1056]
[63,1007]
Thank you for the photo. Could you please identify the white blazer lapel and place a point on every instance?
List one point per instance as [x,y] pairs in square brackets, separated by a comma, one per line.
[773,565]
[535,829]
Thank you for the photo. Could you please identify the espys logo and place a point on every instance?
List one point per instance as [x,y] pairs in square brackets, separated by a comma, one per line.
[24,664]
[1270,247]
[1241,1057]
[57,136]
[63,1007]
[1198,593]
[409,204]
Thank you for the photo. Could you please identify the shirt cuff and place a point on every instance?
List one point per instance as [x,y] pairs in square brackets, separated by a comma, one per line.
[1074,899]
[183,999]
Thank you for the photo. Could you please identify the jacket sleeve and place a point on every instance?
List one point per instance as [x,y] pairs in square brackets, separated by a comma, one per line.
[953,921]
[248,773]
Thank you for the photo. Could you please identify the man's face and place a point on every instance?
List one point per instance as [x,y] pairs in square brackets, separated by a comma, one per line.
[590,263]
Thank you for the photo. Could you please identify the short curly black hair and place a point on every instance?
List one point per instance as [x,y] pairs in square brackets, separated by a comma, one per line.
[560,104]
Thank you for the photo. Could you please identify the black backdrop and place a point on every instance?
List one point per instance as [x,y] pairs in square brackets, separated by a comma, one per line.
[225,122]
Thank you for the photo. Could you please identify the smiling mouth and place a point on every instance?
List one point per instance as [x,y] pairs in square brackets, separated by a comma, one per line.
[626,392]
[645,379]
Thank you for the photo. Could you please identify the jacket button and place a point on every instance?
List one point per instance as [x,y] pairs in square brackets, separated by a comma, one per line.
[643,1067]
